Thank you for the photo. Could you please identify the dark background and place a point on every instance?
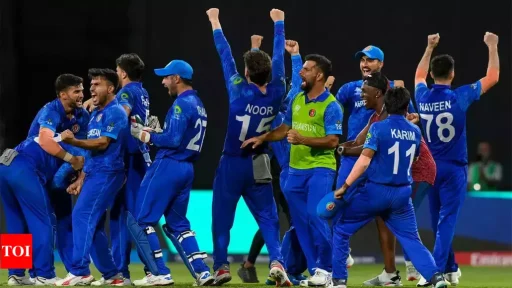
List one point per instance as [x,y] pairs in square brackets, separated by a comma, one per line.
[41,39]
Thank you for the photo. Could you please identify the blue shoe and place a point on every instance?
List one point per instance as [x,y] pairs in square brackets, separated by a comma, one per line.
[270,281]
[295,279]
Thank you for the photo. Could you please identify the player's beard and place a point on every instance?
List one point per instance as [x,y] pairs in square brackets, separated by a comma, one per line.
[306,86]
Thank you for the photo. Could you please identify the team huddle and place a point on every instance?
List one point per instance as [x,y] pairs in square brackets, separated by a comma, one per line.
[98,150]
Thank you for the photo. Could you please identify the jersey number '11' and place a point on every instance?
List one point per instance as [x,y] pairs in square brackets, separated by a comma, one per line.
[246,120]
[409,153]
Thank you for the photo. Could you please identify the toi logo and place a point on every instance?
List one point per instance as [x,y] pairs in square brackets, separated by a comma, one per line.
[16,251]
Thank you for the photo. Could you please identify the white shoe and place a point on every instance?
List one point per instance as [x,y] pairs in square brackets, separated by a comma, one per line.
[116,280]
[385,279]
[152,280]
[423,282]
[278,274]
[412,273]
[453,278]
[33,280]
[19,281]
[350,260]
[41,281]
[127,282]
[204,279]
[459,272]
[321,278]
[72,280]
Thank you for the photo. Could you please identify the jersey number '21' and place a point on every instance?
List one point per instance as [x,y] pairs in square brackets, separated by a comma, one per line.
[192,145]
[445,117]
[395,149]
[246,120]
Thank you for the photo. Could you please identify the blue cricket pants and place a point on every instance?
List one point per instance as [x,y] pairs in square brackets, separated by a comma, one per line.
[293,256]
[419,191]
[27,205]
[394,205]
[234,179]
[446,199]
[88,218]
[125,201]
[165,190]
[303,190]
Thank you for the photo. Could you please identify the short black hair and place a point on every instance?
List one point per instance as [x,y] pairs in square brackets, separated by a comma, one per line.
[377,80]
[109,74]
[132,65]
[259,66]
[187,82]
[397,100]
[441,66]
[64,81]
[322,62]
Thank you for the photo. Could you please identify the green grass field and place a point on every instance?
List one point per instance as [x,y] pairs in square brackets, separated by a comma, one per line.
[471,276]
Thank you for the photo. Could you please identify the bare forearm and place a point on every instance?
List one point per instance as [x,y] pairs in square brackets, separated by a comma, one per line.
[359,168]
[215,24]
[422,69]
[353,151]
[277,134]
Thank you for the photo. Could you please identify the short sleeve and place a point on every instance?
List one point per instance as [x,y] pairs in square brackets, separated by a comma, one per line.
[420,91]
[468,94]
[343,95]
[114,123]
[126,98]
[333,119]
[49,119]
[371,141]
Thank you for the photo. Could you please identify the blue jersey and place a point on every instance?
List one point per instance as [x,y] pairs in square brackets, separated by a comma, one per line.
[281,149]
[44,164]
[53,116]
[396,143]
[250,111]
[184,129]
[443,116]
[136,98]
[108,122]
[349,96]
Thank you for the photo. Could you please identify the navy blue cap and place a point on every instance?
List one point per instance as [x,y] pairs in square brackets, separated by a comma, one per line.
[176,67]
[372,52]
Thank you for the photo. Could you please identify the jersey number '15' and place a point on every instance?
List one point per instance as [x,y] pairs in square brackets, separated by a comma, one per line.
[395,149]
[194,144]
[264,125]
[444,122]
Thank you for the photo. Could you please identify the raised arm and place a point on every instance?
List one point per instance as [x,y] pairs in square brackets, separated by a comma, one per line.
[422,69]
[493,67]
[278,71]
[222,45]
[292,47]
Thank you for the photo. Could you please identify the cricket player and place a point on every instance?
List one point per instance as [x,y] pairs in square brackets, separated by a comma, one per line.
[390,148]
[26,202]
[443,114]
[135,101]
[98,184]
[253,105]
[165,189]
[423,170]
[312,125]
[62,201]
[292,253]
[371,59]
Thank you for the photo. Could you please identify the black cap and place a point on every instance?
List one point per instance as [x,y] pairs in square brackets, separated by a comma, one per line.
[377,80]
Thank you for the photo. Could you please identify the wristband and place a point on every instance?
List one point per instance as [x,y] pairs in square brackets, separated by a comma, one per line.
[68,157]
[341,149]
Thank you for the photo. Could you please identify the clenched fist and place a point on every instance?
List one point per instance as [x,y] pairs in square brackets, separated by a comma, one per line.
[213,14]
[491,39]
[292,47]
[329,82]
[276,15]
[256,41]
[433,40]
